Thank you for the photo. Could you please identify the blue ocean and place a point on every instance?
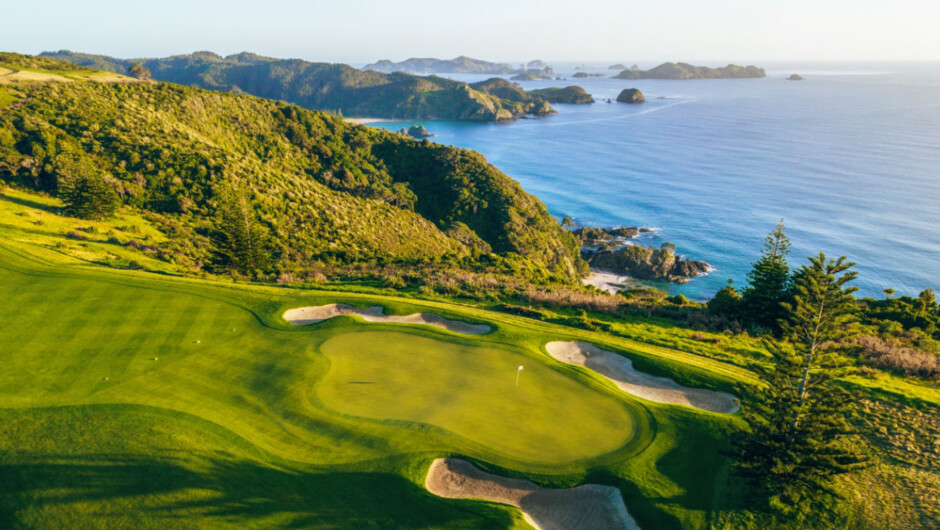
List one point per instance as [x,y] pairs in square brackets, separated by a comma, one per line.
[849,158]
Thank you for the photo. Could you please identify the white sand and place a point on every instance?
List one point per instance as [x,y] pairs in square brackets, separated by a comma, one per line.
[620,370]
[589,507]
[362,121]
[302,316]
[606,281]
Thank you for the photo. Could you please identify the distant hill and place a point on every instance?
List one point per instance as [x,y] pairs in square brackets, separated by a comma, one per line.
[688,71]
[460,65]
[323,193]
[323,86]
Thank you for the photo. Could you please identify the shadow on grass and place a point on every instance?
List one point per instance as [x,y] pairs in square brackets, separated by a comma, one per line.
[233,490]
[29,204]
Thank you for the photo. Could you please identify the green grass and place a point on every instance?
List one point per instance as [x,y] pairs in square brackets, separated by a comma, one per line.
[6,98]
[229,412]
[471,392]
[247,421]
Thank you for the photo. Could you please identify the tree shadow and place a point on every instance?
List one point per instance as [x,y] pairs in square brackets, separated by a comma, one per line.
[29,204]
[238,490]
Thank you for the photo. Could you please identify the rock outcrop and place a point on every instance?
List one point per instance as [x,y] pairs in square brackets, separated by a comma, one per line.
[646,263]
[632,96]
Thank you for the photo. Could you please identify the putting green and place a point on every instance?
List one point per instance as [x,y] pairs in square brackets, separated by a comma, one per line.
[471,391]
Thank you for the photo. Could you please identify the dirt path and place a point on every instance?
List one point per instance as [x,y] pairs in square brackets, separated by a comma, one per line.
[589,507]
[303,316]
[620,370]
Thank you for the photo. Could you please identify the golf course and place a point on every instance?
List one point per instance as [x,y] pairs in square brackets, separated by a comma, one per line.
[222,311]
[129,375]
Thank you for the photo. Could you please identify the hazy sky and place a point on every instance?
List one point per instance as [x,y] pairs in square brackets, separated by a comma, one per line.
[506,30]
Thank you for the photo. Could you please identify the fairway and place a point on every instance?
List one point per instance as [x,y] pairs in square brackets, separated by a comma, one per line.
[471,391]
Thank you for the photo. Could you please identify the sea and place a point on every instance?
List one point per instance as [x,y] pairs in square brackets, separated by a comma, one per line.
[848,158]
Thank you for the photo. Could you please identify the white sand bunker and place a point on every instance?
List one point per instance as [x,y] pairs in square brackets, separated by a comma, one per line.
[620,370]
[302,316]
[589,506]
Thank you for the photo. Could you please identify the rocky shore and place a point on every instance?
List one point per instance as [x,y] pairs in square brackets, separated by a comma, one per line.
[606,249]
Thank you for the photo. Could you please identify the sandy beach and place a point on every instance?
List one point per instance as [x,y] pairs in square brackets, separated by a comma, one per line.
[606,281]
[362,121]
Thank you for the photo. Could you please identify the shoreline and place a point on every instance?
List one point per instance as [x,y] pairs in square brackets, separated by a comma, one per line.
[364,121]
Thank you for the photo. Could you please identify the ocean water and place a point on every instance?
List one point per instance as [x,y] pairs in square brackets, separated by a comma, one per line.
[848,158]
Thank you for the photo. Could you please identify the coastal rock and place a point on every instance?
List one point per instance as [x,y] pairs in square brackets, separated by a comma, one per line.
[593,236]
[646,263]
[419,131]
[631,95]
[795,77]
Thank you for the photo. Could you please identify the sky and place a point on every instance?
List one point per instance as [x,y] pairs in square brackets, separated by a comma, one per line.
[360,31]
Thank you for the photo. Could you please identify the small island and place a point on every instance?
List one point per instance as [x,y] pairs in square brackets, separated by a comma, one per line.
[795,77]
[617,66]
[572,95]
[688,71]
[529,75]
[586,74]
[632,96]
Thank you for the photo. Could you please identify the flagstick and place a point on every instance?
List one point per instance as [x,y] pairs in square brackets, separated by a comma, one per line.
[519,371]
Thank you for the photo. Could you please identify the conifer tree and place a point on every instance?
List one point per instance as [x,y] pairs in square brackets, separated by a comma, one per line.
[241,241]
[768,282]
[88,196]
[800,424]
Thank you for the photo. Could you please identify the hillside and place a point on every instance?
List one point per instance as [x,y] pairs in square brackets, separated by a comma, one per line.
[325,195]
[332,87]
[688,71]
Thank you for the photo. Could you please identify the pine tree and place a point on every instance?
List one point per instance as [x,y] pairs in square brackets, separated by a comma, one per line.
[768,282]
[241,241]
[88,196]
[800,424]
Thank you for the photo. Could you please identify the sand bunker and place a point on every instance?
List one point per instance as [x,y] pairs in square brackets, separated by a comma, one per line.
[620,370]
[302,316]
[589,506]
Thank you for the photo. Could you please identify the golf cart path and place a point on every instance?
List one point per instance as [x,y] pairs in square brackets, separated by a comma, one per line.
[302,316]
[589,506]
[620,370]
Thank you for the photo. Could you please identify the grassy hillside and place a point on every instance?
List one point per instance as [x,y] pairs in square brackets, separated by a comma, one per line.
[324,193]
[335,87]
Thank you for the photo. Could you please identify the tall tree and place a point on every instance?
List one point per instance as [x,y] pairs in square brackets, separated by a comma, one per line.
[241,241]
[800,423]
[88,196]
[768,282]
